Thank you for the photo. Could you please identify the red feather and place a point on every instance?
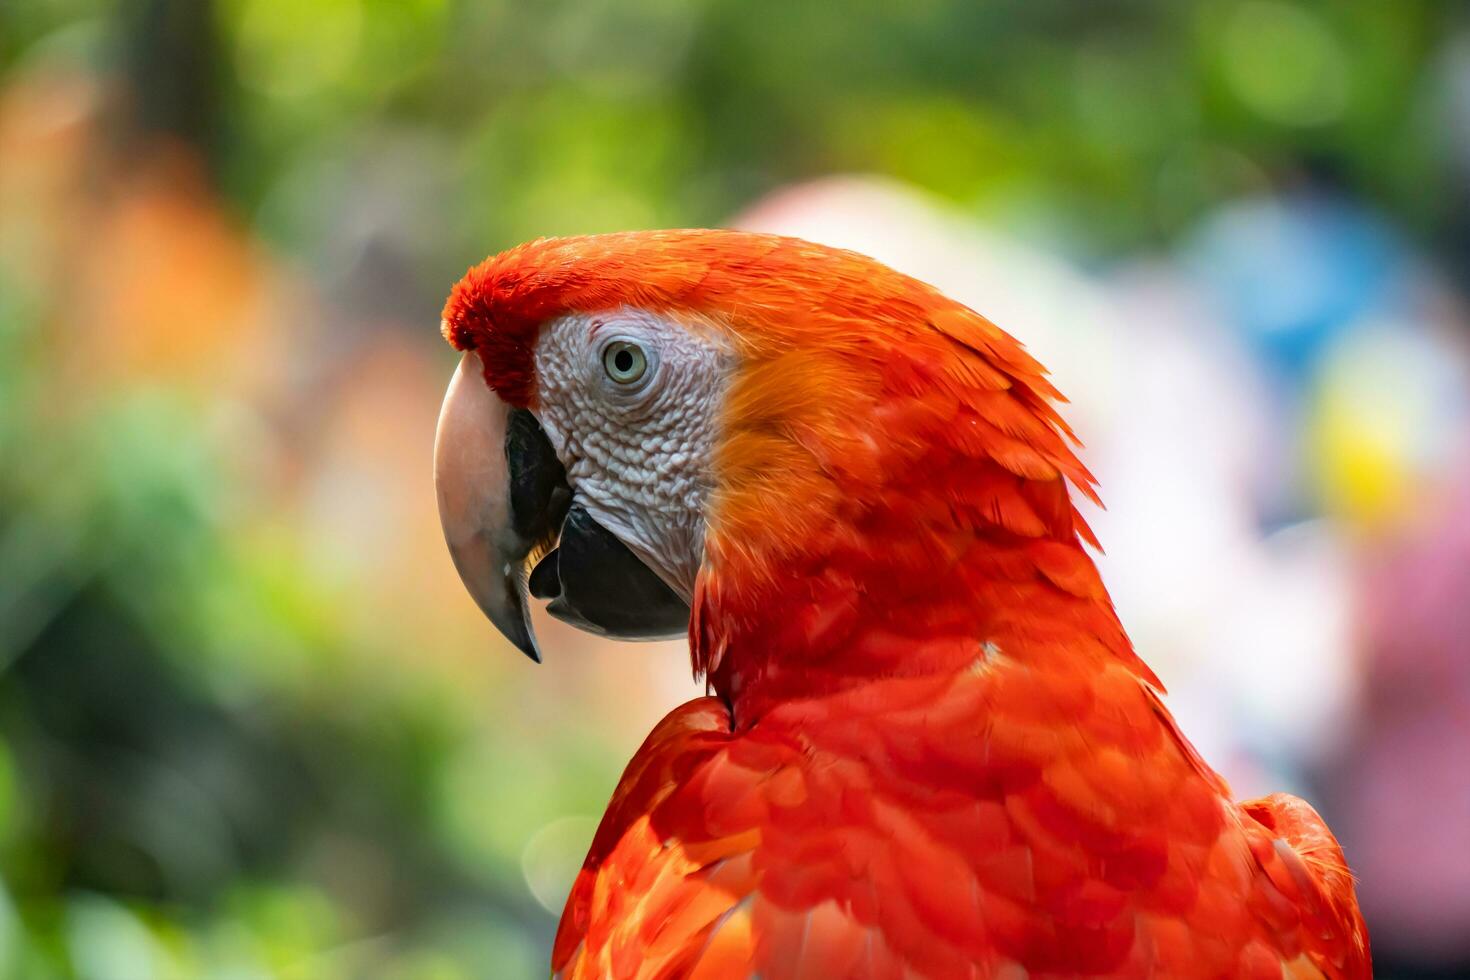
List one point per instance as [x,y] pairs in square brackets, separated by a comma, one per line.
[934,751]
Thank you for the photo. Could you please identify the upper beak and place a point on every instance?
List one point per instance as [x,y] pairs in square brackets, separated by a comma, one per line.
[502,495]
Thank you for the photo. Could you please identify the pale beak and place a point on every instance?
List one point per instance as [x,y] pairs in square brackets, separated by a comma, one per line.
[495,519]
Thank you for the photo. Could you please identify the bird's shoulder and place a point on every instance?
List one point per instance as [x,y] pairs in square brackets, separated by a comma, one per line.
[950,840]
[670,857]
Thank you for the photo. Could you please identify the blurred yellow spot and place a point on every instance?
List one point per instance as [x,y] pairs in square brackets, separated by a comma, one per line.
[1360,474]
[1371,437]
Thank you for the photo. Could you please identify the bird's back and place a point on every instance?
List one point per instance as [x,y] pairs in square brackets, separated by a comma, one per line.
[972,825]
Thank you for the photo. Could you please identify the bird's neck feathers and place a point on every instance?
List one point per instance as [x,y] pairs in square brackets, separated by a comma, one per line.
[894,501]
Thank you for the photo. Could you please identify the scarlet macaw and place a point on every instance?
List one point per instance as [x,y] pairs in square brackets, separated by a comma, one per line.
[930,749]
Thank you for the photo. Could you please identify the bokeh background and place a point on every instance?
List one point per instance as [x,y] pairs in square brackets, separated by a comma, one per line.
[250,725]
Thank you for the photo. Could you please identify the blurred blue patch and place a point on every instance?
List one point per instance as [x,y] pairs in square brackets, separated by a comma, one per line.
[1295,273]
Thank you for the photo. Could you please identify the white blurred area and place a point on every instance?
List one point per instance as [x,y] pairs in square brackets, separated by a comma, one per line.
[1246,619]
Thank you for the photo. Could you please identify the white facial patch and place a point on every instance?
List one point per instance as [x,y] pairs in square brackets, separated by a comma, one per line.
[629,401]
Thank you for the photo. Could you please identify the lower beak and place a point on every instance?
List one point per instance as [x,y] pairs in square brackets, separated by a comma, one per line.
[502,495]
[506,506]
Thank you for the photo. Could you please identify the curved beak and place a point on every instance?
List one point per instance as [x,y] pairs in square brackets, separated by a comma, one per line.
[501,497]
[506,507]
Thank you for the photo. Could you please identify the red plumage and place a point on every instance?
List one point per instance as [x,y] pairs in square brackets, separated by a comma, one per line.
[933,750]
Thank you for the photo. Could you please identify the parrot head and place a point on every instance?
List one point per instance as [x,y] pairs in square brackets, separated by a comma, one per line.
[649,428]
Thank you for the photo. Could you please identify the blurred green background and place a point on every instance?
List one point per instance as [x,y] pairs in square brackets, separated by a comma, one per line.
[249,724]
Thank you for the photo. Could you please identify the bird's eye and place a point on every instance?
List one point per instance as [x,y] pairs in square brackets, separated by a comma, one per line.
[624,363]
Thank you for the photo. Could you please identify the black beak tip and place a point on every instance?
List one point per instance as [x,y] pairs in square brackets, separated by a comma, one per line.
[532,653]
[525,641]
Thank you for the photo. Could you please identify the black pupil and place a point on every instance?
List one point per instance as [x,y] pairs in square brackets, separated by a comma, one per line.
[623,361]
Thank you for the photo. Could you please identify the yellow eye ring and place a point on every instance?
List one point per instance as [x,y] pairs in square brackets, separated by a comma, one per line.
[624,362]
